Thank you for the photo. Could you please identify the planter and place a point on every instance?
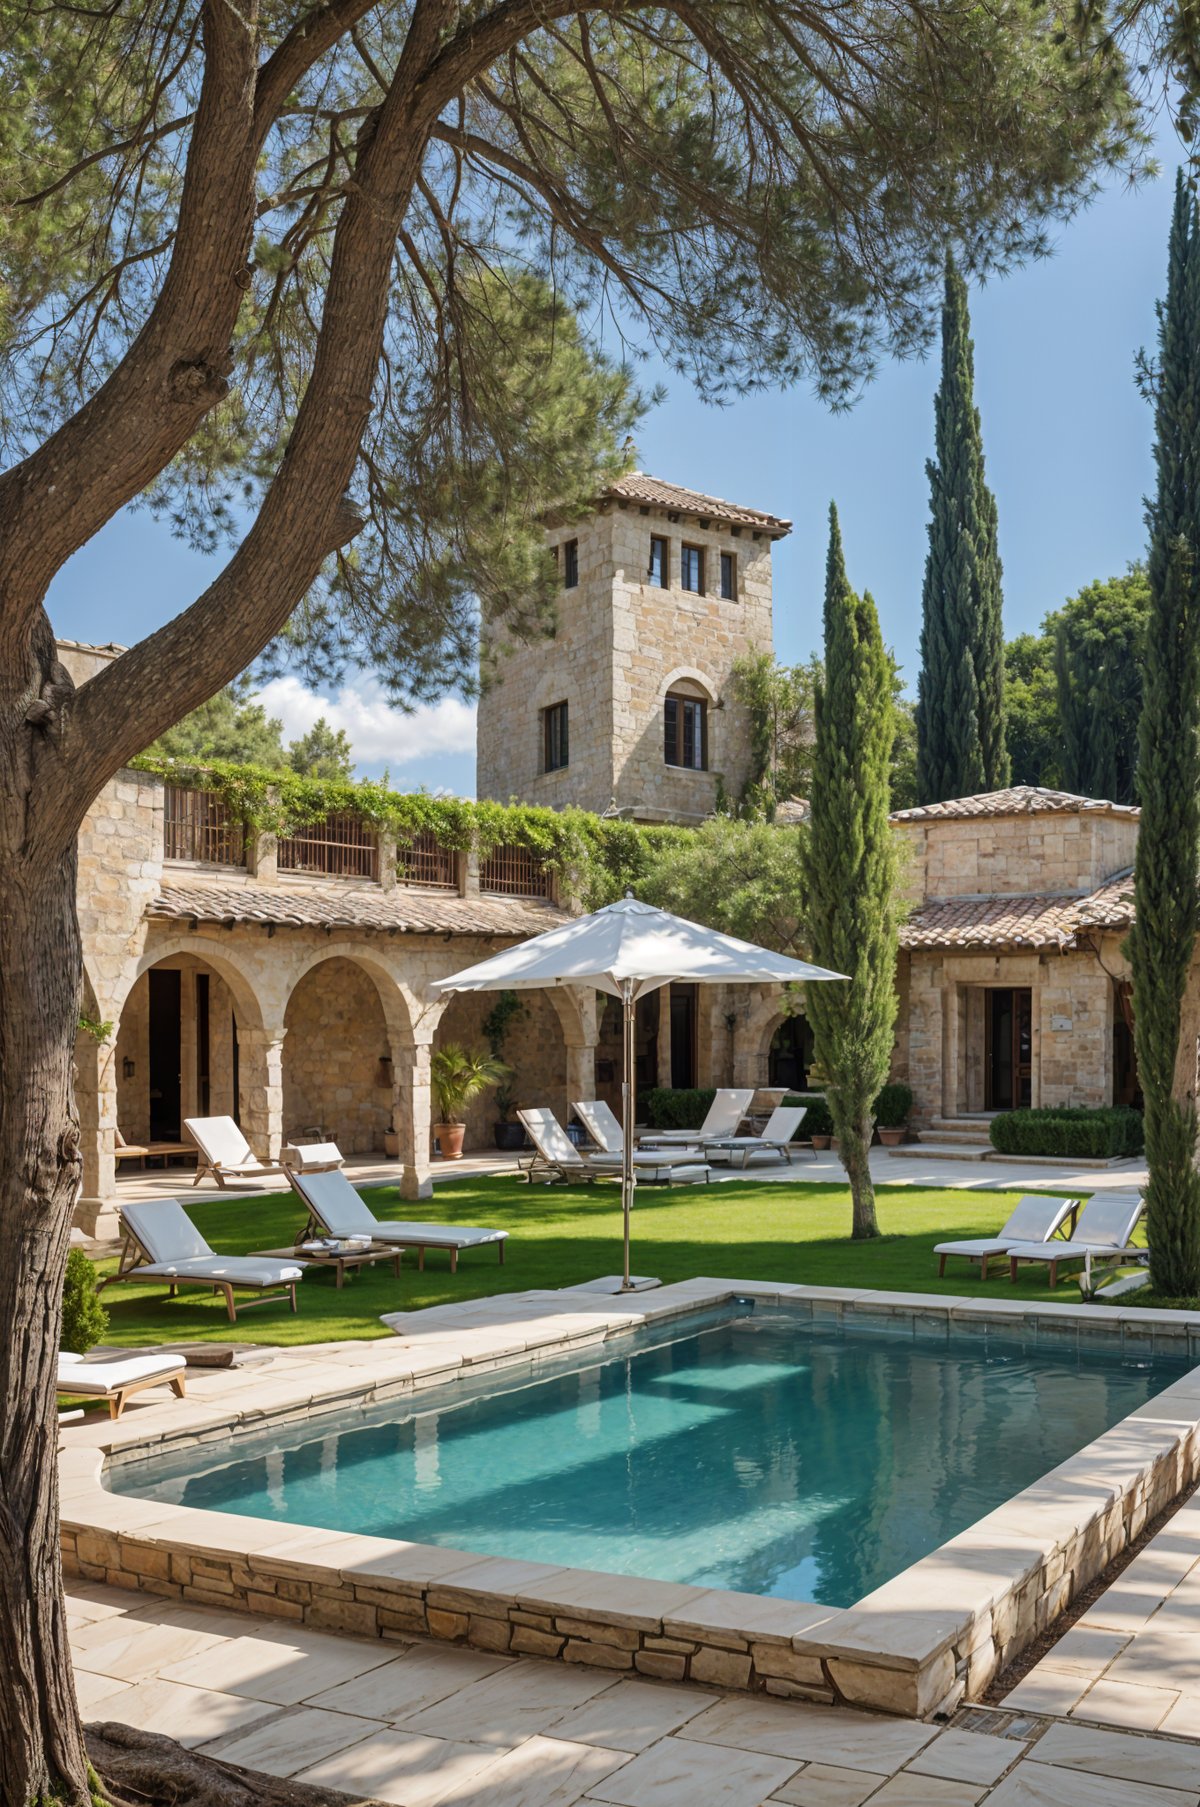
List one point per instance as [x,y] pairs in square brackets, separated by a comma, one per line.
[391,1144]
[450,1139]
[892,1138]
[820,1141]
[510,1136]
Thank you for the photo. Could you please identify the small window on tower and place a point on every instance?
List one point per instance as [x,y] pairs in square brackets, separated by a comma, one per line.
[691,568]
[659,572]
[729,576]
[555,743]
[570,564]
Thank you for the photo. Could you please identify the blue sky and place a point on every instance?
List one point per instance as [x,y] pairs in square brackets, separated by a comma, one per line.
[1067,439]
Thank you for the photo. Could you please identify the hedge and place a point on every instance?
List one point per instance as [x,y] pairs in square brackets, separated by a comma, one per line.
[678,1107]
[1092,1134]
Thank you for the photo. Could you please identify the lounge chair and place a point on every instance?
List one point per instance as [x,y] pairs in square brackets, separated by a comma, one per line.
[776,1137]
[1102,1233]
[556,1157]
[1034,1220]
[114,1375]
[225,1152]
[335,1209]
[602,1125]
[159,1241]
[725,1114]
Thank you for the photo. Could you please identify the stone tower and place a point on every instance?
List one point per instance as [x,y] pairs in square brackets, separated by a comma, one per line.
[630,705]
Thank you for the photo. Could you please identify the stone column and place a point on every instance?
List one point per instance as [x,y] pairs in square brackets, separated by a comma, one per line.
[581,1072]
[260,1084]
[412,1114]
[96,1097]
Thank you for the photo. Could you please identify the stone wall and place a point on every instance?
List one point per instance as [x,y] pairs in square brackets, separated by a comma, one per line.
[1055,854]
[533,1048]
[619,645]
[336,1037]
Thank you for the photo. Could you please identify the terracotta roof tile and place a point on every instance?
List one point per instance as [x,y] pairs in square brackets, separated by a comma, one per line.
[1017,800]
[404,909]
[638,487]
[1030,921]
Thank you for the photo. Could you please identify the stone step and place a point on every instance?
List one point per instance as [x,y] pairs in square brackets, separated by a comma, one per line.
[969,1138]
[941,1151]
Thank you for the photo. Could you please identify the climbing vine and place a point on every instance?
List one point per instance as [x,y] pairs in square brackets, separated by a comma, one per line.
[594,858]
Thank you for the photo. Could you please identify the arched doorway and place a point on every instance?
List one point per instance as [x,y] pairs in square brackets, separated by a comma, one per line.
[176,1053]
[534,1047]
[337,1059]
[791,1054]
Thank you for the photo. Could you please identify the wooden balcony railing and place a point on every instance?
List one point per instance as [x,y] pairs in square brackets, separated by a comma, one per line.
[424,861]
[514,872]
[341,846]
[198,826]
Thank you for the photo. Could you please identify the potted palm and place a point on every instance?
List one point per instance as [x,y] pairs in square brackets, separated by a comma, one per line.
[458,1075]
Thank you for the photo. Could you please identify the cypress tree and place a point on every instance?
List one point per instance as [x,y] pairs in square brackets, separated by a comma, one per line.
[961,746]
[849,870]
[1163,939]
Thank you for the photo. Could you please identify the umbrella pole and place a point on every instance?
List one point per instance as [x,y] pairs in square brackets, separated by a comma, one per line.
[629,1065]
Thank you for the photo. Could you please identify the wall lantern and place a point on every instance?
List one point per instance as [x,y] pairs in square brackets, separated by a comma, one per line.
[128,1067]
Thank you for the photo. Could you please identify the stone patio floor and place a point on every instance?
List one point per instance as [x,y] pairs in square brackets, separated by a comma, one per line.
[1133,1658]
[424,1725]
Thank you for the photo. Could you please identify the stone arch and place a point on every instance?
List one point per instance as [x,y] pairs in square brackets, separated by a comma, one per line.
[405,1012]
[538,1049]
[221,1023]
[344,1022]
[768,1024]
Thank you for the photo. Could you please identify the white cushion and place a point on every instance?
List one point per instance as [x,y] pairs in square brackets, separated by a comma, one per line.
[110,1373]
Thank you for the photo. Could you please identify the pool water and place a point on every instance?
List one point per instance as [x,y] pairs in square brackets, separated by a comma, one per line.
[760,1453]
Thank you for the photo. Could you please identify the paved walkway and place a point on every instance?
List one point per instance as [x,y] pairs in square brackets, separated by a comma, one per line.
[919,1172]
[423,1725]
[1133,1659]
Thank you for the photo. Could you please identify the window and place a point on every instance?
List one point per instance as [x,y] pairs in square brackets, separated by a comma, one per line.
[685,732]
[691,568]
[570,564]
[728,576]
[659,572]
[555,743]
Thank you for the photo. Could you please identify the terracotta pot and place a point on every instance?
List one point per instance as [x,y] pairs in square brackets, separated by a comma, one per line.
[821,1141]
[892,1138]
[450,1139]
[391,1144]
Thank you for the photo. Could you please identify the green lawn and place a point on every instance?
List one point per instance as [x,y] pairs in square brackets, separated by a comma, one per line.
[745,1231]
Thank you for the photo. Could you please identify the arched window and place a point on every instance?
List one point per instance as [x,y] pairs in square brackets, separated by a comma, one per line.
[685,726]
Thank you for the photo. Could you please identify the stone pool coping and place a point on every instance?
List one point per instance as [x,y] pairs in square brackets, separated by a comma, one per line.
[936,1632]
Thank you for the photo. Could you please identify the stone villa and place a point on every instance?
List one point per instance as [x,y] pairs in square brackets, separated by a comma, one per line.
[286,981]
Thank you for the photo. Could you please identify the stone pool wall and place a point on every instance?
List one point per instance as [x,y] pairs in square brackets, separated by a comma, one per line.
[934,1634]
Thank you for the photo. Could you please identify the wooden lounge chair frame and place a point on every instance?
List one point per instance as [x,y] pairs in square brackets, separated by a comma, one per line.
[134,1255]
[115,1400]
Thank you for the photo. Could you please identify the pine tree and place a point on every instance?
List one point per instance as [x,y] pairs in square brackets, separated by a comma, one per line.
[849,873]
[1163,939]
[961,746]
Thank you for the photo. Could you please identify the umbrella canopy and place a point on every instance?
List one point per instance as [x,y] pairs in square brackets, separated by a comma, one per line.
[629,949]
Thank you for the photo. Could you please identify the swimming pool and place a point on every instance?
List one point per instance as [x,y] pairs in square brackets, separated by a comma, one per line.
[750,1448]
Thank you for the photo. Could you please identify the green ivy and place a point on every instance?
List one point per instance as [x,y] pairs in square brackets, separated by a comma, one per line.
[596,859]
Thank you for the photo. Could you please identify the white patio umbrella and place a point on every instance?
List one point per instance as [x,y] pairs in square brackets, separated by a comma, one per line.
[628,950]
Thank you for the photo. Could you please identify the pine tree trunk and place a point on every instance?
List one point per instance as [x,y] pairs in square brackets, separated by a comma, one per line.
[41,1748]
[855,1151]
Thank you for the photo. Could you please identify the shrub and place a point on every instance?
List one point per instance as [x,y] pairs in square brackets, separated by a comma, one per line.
[1091,1134]
[818,1120]
[678,1107]
[84,1318]
[892,1105]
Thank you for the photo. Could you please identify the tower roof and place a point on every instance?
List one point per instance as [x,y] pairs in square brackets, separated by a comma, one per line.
[653,492]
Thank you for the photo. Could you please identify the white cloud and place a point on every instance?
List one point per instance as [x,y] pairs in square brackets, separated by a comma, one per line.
[378,733]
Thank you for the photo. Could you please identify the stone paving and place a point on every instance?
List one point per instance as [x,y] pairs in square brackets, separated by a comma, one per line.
[1133,1658]
[422,1725]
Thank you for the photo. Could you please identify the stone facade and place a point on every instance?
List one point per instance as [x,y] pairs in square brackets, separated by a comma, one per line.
[622,643]
[321,1007]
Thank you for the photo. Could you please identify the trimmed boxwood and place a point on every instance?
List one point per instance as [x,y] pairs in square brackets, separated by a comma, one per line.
[678,1107]
[817,1120]
[1091,1134]
[892,1105]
